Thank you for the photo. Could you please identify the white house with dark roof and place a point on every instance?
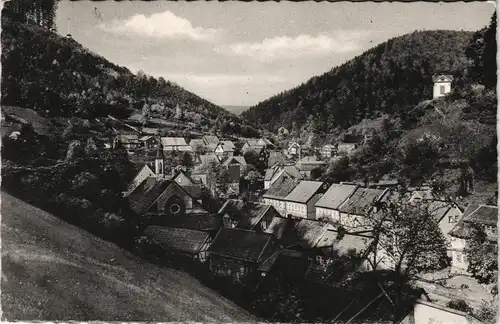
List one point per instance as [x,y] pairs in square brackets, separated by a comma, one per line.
[175,144]
[301,201]
[225,149]
[442,85]
[274,173]
[327,207]
[358,206]
[482,215]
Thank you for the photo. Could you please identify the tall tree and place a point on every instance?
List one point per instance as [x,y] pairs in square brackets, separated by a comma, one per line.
[408,240]
[482,256]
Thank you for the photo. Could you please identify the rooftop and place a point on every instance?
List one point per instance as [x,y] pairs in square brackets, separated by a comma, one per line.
[361,201]
[335,196]
[304,191]
[240,244]
[184,240]
[173,141]
[281,188]
[247,215]
[142,197]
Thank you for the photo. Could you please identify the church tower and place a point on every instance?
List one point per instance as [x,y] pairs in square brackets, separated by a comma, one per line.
[159,160]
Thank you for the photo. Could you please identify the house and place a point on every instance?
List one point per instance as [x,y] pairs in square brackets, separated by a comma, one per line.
[276,194]
[280,226]
[346,148]
[328,151]
[180,241]
[420,194]
[196,219]
[483,216]
[294,149]
[274,173]
[275,158]
[185,180]
[358,206]
[425,312]
[177,144]
[225,149]
[236,160]
[144,172]
[251,216]
[334,245]
[237,254]
[442,85]
[447,216]
[256,145]
[309,163]
[198,146]
[284,263]
[327,207]
[161,198]
[149,142]
[210,140]
[129,141]
[301,201]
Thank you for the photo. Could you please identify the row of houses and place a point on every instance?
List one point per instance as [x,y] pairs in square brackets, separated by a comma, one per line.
[248,242]
[207,144]
[328,151]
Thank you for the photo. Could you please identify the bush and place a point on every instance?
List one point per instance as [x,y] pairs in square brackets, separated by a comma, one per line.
[460,305]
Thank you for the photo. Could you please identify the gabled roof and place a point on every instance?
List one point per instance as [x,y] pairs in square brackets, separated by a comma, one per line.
[335,196]
[329,147]
[293,144]
[304,191]
[200,221]
[142,197]
[240,244]
[361,201]
[278,226]
[146,137]
[266,141]
[270,173]
[438,209]
[180,239]
[227,146]
[484,214]
[359,242]
[292,171]
[309,232]
[442,78]
[239,159]
[275,157]
[127,138]
[210,139]
[173,141]
[196,142]
[246,215]
[281,188]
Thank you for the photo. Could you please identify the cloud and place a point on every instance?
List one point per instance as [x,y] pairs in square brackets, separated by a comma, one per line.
[296,47]
[161,25]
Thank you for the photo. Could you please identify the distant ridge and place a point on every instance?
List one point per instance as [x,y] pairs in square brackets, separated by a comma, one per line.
[237,110]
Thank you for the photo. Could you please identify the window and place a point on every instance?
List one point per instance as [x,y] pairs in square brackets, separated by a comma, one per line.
[441,89]
[451,219]
[263,225]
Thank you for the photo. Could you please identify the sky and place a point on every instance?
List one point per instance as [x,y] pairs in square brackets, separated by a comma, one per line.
[241,53]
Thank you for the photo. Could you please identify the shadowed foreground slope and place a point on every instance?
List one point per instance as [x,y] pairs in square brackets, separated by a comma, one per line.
[54,271]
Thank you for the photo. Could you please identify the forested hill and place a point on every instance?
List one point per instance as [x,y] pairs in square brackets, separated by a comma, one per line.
[57,76]
[385,79]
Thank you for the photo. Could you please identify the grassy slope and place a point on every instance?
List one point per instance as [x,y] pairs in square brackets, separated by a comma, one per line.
[55,271]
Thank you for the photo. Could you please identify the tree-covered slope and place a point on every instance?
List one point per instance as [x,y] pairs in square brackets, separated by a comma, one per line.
[57,76]
[385,79]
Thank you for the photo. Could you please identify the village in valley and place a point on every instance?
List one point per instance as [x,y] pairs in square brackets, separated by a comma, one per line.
[289,222]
